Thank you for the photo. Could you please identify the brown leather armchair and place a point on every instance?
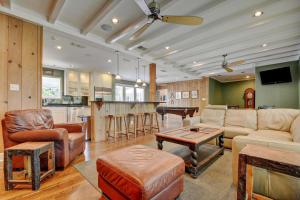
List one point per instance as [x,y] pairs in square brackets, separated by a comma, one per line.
[37,125]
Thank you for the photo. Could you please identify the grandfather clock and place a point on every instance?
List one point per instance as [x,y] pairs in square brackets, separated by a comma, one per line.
[249,97]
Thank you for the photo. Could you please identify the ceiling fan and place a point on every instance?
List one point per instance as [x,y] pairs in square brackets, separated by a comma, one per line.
[227,66]
[153,10]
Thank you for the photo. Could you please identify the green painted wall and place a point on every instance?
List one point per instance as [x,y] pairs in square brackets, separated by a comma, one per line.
[215,92]
[228,93]
[233,92]
[283,95]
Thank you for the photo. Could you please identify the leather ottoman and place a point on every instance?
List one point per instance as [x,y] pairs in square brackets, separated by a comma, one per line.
[140,172]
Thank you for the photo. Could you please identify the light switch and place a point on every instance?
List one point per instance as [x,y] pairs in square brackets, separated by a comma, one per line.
[14,87]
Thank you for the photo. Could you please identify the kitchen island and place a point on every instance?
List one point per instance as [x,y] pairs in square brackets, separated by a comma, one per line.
[100,109]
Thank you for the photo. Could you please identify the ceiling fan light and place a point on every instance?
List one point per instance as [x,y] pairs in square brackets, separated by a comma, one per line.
[118,77]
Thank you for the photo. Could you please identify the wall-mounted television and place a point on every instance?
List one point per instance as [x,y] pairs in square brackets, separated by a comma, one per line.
[278,75]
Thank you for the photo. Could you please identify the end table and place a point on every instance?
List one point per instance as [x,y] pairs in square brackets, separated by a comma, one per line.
[31,152]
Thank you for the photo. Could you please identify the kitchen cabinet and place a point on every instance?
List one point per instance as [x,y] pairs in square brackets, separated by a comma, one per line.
[77,83]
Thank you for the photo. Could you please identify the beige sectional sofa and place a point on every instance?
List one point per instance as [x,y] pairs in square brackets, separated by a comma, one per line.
[277,128]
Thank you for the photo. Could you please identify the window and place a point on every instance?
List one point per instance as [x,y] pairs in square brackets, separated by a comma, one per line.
[140,96]
[129,93]
[52,87]
[118,93]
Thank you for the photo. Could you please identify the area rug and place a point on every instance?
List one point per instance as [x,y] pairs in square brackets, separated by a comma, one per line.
[214,183]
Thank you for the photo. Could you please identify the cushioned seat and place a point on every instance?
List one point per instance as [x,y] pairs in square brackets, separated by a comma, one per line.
[140,172]
[232,131]
[207,125]
[272,135]
[75,140]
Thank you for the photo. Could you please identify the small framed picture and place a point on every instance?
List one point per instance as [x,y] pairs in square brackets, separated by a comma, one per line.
[194,94]
[178,95]
[185,95]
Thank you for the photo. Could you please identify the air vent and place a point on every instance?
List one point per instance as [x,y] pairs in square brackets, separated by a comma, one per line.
[77,45]
[162,70]
[142,48]
[106,27]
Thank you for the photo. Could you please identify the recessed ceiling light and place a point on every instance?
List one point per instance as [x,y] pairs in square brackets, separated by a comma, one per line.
[211,73]
[167,47]
[258,13]
[109,60]
[58,47]
[247,76]
[195,62]
[115,20]
[108,72]
[264,45]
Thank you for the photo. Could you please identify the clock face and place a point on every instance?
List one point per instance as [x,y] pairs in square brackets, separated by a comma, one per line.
[249,95]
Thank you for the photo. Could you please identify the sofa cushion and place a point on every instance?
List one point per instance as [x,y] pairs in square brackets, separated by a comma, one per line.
[295,129]
[241,118]
[232,131]
[272,135]
[206,125]
[75,140]
[26,120]
[213,117]
[276,119]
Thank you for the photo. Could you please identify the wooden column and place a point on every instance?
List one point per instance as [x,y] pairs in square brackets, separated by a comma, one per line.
[152,84]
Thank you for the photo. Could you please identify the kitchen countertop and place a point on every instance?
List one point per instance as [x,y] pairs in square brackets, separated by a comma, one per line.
[65,105]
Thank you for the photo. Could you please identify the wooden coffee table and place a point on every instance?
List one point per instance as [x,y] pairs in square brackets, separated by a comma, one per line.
[199,153]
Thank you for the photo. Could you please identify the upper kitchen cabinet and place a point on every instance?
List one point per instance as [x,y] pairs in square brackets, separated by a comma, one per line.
[77,83]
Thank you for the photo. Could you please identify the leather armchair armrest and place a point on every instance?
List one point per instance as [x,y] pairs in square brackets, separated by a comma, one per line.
[40,135]
[71,128]
[191,121]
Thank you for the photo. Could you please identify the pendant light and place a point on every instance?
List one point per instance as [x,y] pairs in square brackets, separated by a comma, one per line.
[118,77]
[138,80]
[136,85]
[144,83]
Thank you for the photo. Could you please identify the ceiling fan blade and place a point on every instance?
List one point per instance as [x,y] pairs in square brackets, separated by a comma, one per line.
[236,63]
[139,32]
[228,69]
[143,5]
[185,20]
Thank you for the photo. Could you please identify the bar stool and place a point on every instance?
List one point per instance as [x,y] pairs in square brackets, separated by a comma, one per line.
[118,126]
[148,118]
[137,120]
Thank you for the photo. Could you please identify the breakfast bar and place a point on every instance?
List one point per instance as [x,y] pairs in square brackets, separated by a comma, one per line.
[100,109]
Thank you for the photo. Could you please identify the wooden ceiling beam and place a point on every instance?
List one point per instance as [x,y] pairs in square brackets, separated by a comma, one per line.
[55,10]
[5,3]
[108,6]
[130,28]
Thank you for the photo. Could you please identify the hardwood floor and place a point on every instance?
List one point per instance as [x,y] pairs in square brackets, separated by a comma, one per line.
[69,184]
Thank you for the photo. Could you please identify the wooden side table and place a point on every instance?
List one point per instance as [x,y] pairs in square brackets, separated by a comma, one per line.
[31,152]
[286,162]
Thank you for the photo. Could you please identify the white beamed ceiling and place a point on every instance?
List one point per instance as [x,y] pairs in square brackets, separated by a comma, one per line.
[229,27]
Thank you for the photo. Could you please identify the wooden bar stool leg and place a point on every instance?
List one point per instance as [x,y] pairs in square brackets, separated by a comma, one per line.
[115,129]
[157,123]
[143,124]
[134,125]
[126,127]
[151,124]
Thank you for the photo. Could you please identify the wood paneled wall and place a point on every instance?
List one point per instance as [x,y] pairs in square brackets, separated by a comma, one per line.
[152,82]
[20,65]
[201,85]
